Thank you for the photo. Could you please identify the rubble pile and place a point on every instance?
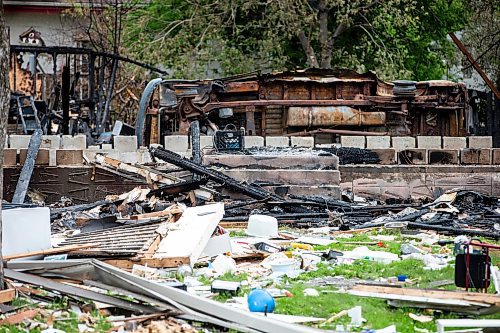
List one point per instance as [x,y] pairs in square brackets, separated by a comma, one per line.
[181,255]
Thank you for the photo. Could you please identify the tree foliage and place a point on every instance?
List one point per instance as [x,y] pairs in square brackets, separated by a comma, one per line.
[396,38]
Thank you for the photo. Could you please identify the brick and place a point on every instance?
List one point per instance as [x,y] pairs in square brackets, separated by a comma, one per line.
[378,142]
[416,156]
[19,141]
[177,143]
[495,156]
[429,142]
[206,141]
[475,156]
[302,141]
[125,143]
[353,141]
[454,142]
[277,141]
[51,141]
[386,156]
[253,141]
[9,156]
[69,157]
[443,156]
[480,142]
[403,142]
[74,142]
[287,177]
[42,158]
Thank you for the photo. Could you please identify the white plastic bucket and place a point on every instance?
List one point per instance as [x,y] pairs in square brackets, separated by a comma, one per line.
[262,226]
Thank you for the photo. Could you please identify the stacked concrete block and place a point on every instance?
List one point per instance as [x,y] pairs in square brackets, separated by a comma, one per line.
[42,158]
[19,141]
[74,142]
[475,156]
[277,141]
[415,156]
[177,143]
[378,142]
[443,156]
[51,141]
[10,156]
[386,156]
[253,141]
[403,142]
[286,176]
[429,142]
[495,156]
[480,142]
[206,141]
[69,157]
[302,141]
[309,162]
[454,142]
[125,143]
[353,141]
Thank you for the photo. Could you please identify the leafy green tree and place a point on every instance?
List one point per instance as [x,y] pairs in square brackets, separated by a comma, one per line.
[396,38]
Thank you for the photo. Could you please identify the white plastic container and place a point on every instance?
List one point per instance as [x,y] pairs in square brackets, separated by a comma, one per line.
[262,226]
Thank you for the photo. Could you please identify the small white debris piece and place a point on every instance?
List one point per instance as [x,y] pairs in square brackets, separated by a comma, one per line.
[311,292]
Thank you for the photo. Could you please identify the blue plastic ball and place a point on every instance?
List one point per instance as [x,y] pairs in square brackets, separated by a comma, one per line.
[260,301]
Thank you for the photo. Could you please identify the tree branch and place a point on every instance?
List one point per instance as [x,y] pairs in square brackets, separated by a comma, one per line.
[306,45]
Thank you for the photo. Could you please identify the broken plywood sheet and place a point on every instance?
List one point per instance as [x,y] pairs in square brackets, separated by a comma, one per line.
[188,237]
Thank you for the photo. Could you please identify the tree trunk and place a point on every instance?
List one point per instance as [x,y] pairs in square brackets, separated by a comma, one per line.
[4,112]
[326,49]
[311,56]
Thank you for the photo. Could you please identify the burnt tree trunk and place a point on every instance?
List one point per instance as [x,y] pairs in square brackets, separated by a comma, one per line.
[4,112]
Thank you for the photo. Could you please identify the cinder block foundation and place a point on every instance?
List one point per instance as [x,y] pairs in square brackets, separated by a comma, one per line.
[51,141]
[480,142]
[125,143]
[475,156]
[454,142]
[302,141]
[42,158]
[378,142]
[309,162]
[253,141]
[386,156]
[353,141]
[69,157]
[495,156]
[413,156]
[10,156]
[206,141]
[177,143]
[19,141]
[403,142]
[429,142]
[286,177]
[443,156]
[74,142]
[277,141]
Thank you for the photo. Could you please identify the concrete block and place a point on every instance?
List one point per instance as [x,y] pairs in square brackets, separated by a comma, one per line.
[19,141]
[475,156]
[42,158]
[480,142]
[106,146]
[125,143]
[353,141]
[206,141]
[306,161]
[69,157]
[454,142]
[254,141]
[495,156]
[443,156]
[378,142]
[416,156]
[302,141]
[9,156]
[429,142]
[277,141]
[6,143]
[386,156]
[177,143]
[286,177]
[130,157]
[51,141]
[403,142]
[77,142]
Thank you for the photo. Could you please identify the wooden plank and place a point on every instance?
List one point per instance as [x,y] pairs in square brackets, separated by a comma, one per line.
[167,212]
[57,250]
[127,264]
[7,295]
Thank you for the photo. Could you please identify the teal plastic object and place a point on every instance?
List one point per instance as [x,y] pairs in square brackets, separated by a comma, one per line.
[260,301]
